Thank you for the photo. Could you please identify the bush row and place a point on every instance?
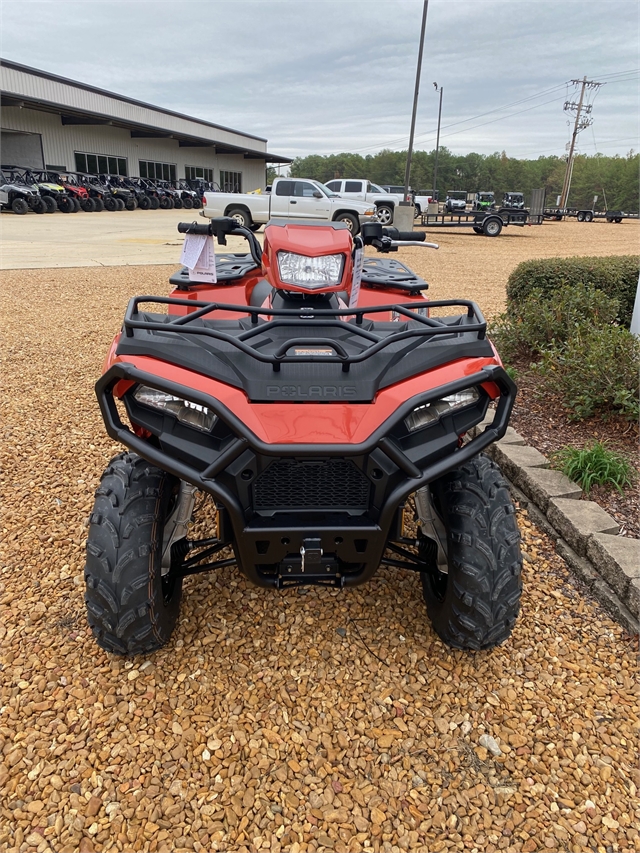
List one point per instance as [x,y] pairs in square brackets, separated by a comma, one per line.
[617,277]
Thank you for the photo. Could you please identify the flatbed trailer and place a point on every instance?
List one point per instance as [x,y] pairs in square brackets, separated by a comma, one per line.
[487,222]
[587,215]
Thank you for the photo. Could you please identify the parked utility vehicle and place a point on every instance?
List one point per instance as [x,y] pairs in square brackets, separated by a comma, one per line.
[321,411]
[289,197]
[384,200]
[485,201]
[456,201]
[16,196]
[513,201]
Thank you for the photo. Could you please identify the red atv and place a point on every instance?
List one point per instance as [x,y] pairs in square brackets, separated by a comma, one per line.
[322,404]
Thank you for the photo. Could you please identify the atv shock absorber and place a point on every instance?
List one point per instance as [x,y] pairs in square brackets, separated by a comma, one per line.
[178,523]
[431,525]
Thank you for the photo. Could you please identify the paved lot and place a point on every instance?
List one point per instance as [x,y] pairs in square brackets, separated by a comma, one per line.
[95,239]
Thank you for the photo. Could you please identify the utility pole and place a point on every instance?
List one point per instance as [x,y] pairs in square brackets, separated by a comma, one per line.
[580,124]
[407,173]
[435,168]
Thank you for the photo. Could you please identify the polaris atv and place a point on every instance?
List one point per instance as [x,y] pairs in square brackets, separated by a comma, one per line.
[15,195]
[122,196]
[322,406]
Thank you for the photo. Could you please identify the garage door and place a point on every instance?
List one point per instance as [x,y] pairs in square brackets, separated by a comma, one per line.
[21,149]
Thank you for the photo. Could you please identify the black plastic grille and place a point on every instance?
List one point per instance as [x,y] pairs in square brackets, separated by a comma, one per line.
[332,484]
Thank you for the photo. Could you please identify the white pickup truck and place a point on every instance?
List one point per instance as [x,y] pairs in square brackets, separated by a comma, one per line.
[363,190]
[290,198]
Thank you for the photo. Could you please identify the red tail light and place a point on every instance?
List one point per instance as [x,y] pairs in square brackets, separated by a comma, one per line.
[204,201]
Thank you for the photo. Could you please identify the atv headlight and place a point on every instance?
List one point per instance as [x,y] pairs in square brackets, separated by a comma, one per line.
[323,271]
[429,413]
[192,414]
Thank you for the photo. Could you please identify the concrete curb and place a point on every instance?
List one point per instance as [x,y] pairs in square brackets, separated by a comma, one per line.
[585,535]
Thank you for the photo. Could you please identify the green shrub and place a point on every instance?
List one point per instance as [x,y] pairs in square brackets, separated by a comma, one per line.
[595,465]
[537,323]
[595,372]
[616,276]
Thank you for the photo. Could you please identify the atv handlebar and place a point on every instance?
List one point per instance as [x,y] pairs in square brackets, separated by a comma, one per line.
[390,239]
[219,228]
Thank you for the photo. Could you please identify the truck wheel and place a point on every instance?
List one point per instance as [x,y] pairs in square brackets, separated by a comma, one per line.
[350,221]
[131,609]
[476,604]
[88,205]
[385,214]
[241,216]
[39,206]
[256,226]
[154,202]
[19,206]
[187,203]
[491,226]
[51,203]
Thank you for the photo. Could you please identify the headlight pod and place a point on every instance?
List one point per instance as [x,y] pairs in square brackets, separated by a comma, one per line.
[191,414]
[430,413]
[310,273]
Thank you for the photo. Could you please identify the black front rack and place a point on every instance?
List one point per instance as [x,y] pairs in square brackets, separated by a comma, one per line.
[427,327]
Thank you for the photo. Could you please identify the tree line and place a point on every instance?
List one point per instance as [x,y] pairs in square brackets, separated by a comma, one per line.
[613,179]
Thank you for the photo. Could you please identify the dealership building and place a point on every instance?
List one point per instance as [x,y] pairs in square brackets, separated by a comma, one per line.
[52,122]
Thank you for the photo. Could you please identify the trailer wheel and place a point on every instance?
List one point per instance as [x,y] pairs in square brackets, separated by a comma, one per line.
[385,214]
[477,229]
[618,219]
[476,603]
[241,216]
[492,226]
[580,217]
[588,217]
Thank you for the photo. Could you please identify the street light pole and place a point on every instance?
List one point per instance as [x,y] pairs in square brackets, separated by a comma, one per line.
[435,168]
[415,101]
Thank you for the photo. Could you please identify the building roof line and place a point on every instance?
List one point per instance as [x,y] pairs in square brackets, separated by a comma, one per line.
[78,85]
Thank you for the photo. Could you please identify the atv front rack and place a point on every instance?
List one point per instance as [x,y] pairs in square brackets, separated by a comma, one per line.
[364,341]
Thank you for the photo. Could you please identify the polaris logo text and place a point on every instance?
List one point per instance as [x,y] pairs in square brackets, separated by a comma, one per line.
[319,392]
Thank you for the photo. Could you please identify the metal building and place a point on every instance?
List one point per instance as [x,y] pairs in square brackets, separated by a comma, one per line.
[50,121]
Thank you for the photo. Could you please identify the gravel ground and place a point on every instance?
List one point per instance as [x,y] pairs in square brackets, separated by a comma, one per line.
[275,720]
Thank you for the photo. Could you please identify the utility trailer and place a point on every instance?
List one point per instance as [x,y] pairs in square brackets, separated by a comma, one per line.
[490,223]
[587,214]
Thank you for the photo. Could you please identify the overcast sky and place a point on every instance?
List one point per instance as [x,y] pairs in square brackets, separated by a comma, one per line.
[325,76]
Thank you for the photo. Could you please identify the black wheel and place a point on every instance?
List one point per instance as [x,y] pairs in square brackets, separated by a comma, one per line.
[166,203]
[256,226]
[99,204]
[19,206]
[178,203]
[350,221]
[475,605]
[588,217]
[618,219]
[131,608]
[88,205]
[76,205]
[120,203]
[580,216]
[144,203]
[51,203]
[478,229]
[110,203]
[131,203]
[154,202]
[491,226]
[241,216]
[187,203]
[385,214]
[197,203]
[66,205]
[39,206]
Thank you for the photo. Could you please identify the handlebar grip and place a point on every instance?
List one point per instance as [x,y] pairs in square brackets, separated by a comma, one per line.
[193,228]
[405,236]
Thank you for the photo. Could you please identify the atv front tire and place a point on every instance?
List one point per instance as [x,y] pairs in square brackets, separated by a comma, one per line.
[476,604]
[131,608]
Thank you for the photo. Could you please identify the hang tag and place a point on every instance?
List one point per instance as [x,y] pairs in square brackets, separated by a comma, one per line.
[198,255]
[358,264]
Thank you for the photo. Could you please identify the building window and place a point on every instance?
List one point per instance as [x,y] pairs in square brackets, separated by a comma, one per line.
[100,164]
[230,182]
[192,173]
[157,171]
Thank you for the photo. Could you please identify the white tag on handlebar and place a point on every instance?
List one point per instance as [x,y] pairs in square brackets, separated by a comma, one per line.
[192,249]
[358,264]
[202,266]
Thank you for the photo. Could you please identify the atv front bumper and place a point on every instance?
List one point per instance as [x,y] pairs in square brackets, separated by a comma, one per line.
[305,513]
